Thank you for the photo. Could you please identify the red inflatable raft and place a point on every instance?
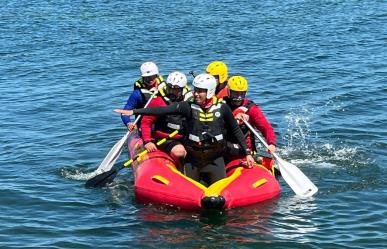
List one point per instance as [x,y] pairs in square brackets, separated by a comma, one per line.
[158,181]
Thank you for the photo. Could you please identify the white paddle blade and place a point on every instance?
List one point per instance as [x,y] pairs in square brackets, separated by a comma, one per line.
[297,181]
[111,158]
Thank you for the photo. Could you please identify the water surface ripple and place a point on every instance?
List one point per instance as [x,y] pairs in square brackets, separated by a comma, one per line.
[316,68]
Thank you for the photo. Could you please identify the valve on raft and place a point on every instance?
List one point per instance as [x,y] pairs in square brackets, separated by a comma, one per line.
[213,202]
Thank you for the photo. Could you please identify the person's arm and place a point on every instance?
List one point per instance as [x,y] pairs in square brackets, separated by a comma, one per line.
[234,128]
[133,101]
[182,108]
[238,134]
[147,121]
[257,119]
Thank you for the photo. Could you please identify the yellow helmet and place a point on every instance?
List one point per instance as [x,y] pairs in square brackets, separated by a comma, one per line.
[218,68]
[237,83]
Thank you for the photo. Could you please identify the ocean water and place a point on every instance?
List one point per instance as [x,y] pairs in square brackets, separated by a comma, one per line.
[317,69]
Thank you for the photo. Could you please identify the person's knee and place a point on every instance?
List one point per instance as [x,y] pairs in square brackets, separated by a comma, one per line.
[178,151]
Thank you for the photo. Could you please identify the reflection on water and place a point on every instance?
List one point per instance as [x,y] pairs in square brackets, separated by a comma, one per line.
[248,224]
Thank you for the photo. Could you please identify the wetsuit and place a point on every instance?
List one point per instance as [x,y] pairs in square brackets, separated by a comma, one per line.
[205,137]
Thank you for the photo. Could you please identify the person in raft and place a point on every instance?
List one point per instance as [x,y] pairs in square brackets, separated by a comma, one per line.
[174,90]
[209,122]
[144,87]
[245,109]
[219,70]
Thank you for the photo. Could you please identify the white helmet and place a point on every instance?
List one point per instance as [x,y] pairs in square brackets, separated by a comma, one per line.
[177,79]
[148,69]
[205,81]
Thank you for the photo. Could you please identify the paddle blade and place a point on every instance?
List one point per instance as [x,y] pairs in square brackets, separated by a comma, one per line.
[297,181]
[103,179]
[111,158]
[293,176]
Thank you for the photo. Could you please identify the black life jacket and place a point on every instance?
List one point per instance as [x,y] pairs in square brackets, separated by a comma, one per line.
[171,122]
[207,127]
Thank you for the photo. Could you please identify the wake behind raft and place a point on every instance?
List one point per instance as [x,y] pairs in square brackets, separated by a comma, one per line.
[157,181]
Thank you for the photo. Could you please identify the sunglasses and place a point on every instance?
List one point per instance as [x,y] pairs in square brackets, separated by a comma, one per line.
[237,96]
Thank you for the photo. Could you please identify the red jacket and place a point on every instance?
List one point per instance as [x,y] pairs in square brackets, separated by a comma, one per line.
[148,121]
[222,93]
[258,120]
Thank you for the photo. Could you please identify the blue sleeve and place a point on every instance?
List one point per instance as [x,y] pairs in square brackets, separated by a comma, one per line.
[134,101]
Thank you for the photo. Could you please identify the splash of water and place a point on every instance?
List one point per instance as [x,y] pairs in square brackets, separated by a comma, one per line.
[298,129]
[302,147]
[78,174]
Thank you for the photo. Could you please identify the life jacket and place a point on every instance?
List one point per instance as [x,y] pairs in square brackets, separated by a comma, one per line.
[245,108]
[166,124]
[222,93]
[145,92]
[206,130]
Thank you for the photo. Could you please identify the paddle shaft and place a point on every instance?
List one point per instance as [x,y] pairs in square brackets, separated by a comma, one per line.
[109,160]
[108,176]
[261,139]
[144,152]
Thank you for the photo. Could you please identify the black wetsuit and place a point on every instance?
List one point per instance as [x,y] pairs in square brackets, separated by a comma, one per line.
[203,163]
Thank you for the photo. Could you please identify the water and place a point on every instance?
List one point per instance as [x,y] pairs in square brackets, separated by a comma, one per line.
[316,68]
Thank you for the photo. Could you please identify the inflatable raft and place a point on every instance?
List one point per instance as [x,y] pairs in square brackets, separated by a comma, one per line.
[157,181]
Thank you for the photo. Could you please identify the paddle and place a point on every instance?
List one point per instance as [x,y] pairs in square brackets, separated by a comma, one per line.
[110,159]
[293,176]
[108,176]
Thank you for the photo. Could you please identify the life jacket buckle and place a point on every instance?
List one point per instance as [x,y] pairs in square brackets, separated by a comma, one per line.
[208,138]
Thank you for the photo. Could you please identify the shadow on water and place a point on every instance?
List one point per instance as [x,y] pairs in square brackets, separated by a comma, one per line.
[240,217]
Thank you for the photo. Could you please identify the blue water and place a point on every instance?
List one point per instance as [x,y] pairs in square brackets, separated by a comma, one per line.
[317,69]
